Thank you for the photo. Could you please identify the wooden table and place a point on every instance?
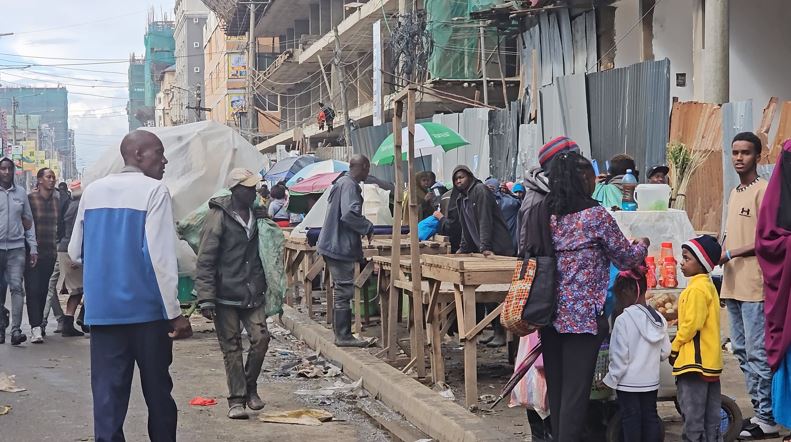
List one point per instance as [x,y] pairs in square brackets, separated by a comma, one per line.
[474,279]
[304,264]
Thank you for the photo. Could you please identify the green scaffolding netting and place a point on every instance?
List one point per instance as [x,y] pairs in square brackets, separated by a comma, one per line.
[456,38]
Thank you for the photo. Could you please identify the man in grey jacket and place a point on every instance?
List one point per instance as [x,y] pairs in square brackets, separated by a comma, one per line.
[17,228]
[340,244]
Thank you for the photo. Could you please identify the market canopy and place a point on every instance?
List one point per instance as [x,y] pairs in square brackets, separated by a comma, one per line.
[429,138]
[288,167]
[314,169]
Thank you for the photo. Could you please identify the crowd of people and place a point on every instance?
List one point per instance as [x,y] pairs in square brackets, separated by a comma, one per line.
[63,240]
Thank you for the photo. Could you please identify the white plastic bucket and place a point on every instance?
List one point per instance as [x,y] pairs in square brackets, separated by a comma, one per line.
[652,197]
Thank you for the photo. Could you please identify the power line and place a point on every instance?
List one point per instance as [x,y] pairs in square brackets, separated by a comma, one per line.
[79,24]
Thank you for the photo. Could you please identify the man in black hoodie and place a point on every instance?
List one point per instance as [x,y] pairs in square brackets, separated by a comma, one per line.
[483,229]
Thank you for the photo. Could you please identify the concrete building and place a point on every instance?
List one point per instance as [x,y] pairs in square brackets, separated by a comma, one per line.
[191,16]
[225,76]
[136,111]
[160,49]
[166,98]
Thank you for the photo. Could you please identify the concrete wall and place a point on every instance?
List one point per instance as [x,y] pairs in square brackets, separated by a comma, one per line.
[760,56]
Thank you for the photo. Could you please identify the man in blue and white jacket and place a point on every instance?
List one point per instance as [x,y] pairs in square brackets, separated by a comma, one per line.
[124,235]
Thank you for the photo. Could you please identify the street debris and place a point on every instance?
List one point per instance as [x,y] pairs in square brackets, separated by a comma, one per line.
[8,384]
[303,416]
[200,401]
[487,398]
[339,388]
[4,409]
[444,390]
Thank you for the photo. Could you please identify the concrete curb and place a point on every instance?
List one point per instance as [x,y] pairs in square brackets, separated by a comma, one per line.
[441,419]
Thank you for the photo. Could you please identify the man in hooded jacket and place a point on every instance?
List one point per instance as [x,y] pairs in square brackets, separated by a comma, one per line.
[483,229]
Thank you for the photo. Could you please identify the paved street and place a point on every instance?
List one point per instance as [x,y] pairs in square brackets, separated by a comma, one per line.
[57,403]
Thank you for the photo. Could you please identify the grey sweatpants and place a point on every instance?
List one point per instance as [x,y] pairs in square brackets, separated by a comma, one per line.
[700,405]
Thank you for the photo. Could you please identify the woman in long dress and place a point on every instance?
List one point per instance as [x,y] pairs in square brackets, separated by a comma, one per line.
[773,248]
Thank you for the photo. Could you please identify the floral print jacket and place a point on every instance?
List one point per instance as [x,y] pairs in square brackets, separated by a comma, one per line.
[586,243]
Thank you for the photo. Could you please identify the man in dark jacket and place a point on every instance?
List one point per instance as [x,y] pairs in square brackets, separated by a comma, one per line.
[231,284]
[509,206]
[340,244]
[483,229]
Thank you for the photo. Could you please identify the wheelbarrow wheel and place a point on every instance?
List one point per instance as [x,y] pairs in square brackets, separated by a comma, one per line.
[614,433]
[731,418]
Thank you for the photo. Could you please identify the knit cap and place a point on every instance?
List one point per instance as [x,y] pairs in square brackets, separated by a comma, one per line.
[706,250]
[556,146]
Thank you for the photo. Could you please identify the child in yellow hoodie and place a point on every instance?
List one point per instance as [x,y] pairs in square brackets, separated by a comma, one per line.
[695,353]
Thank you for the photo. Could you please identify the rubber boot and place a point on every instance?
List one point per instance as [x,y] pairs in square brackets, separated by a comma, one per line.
[342,326]
[68,328]
[499,337]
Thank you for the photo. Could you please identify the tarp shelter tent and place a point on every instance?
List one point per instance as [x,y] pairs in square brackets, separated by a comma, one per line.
[376,207]
[200,157]
[288,167]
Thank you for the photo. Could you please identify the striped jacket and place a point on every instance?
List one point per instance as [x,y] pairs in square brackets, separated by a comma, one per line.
[125,237]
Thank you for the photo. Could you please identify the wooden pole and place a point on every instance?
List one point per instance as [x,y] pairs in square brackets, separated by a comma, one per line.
[483,64]
[502,76]
[418,336]
[347,129]
[326,80]
[395,257]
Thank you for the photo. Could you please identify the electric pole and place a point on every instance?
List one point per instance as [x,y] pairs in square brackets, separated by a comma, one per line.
[347,129]
[251,112]
[14,105]
[198,108]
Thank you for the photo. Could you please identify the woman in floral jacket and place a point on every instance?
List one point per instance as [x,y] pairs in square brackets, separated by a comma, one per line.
[586,239]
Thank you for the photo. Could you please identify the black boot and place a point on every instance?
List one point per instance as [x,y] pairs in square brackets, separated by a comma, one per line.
[3,323]
[68,328]
[342,326]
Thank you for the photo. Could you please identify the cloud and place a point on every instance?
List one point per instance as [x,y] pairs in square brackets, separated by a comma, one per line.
[53,41]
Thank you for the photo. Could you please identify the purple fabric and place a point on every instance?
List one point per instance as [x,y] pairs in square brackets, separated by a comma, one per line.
[585,244]
[773,240]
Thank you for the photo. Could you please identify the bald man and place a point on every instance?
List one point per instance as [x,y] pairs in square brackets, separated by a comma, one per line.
[125,238]
[340,244]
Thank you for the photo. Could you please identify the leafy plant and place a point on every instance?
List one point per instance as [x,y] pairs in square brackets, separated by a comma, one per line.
[683,161]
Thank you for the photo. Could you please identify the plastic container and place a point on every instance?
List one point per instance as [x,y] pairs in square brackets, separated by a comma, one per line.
[669,276]
[650,277]
[629,184]
[653,197]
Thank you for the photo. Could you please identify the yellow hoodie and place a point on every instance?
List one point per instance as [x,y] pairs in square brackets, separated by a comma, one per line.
[697,343]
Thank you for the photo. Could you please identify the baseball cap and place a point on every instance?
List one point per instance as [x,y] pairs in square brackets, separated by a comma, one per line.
[658,169]
[243,177]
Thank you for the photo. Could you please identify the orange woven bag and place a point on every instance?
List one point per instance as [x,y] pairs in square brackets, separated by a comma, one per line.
[518,292]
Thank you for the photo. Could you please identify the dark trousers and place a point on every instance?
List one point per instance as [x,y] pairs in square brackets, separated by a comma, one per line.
[639,419]
[242,376]
[37,288]
[114,351]
[342,273]
[700,403]
[569,364]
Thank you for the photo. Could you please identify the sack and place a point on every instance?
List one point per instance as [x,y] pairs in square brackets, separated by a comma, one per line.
[271,249]
[189,228]
[531,300]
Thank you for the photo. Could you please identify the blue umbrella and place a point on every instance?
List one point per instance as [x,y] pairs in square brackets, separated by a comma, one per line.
[286,168]
[317,168]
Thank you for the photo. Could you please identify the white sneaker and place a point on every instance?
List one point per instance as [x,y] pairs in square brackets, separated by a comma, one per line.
[36,338]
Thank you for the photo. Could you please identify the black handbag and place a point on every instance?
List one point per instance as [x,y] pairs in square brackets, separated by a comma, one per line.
[539,310]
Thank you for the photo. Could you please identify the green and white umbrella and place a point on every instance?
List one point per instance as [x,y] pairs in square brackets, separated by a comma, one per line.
[429,138]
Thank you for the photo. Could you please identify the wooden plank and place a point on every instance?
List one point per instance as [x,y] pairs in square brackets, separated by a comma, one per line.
[307,300]
[315,268]
[364,275]
[399,428]
[358,324]
[432,301]
[392,305]
[481,325]
[384,298]
[470,349]
[437,360]
[458,298]
[493,277]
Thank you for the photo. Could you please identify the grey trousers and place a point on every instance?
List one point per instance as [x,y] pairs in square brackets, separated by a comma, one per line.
[242,376]
[342,273]
[53,302]
[700,405]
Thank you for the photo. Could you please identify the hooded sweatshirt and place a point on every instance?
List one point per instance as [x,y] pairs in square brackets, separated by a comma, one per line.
[536,189]
[483,226]
[638,344]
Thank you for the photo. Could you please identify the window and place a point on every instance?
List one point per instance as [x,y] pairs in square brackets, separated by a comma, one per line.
[196,20]
[196,69]
[195,44]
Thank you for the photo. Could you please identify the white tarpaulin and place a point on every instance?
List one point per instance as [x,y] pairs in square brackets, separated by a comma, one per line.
[376,207]
[200,156]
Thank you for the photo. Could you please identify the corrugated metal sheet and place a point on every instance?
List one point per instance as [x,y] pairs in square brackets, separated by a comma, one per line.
[592,46]
[629,112]
[736,117]
[503,135]
[473,125]
[546,52]
[580,44]
[529,144]
[566,41]
[564,107]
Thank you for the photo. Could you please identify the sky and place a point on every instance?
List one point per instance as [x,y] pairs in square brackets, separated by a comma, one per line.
[95,38]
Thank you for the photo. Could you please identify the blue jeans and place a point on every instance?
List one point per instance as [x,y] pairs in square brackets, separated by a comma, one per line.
[747,338]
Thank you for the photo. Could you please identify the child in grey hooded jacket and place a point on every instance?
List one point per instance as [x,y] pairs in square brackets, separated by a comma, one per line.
[638,344]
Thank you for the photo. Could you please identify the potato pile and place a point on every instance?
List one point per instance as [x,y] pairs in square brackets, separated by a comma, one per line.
[665,303]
